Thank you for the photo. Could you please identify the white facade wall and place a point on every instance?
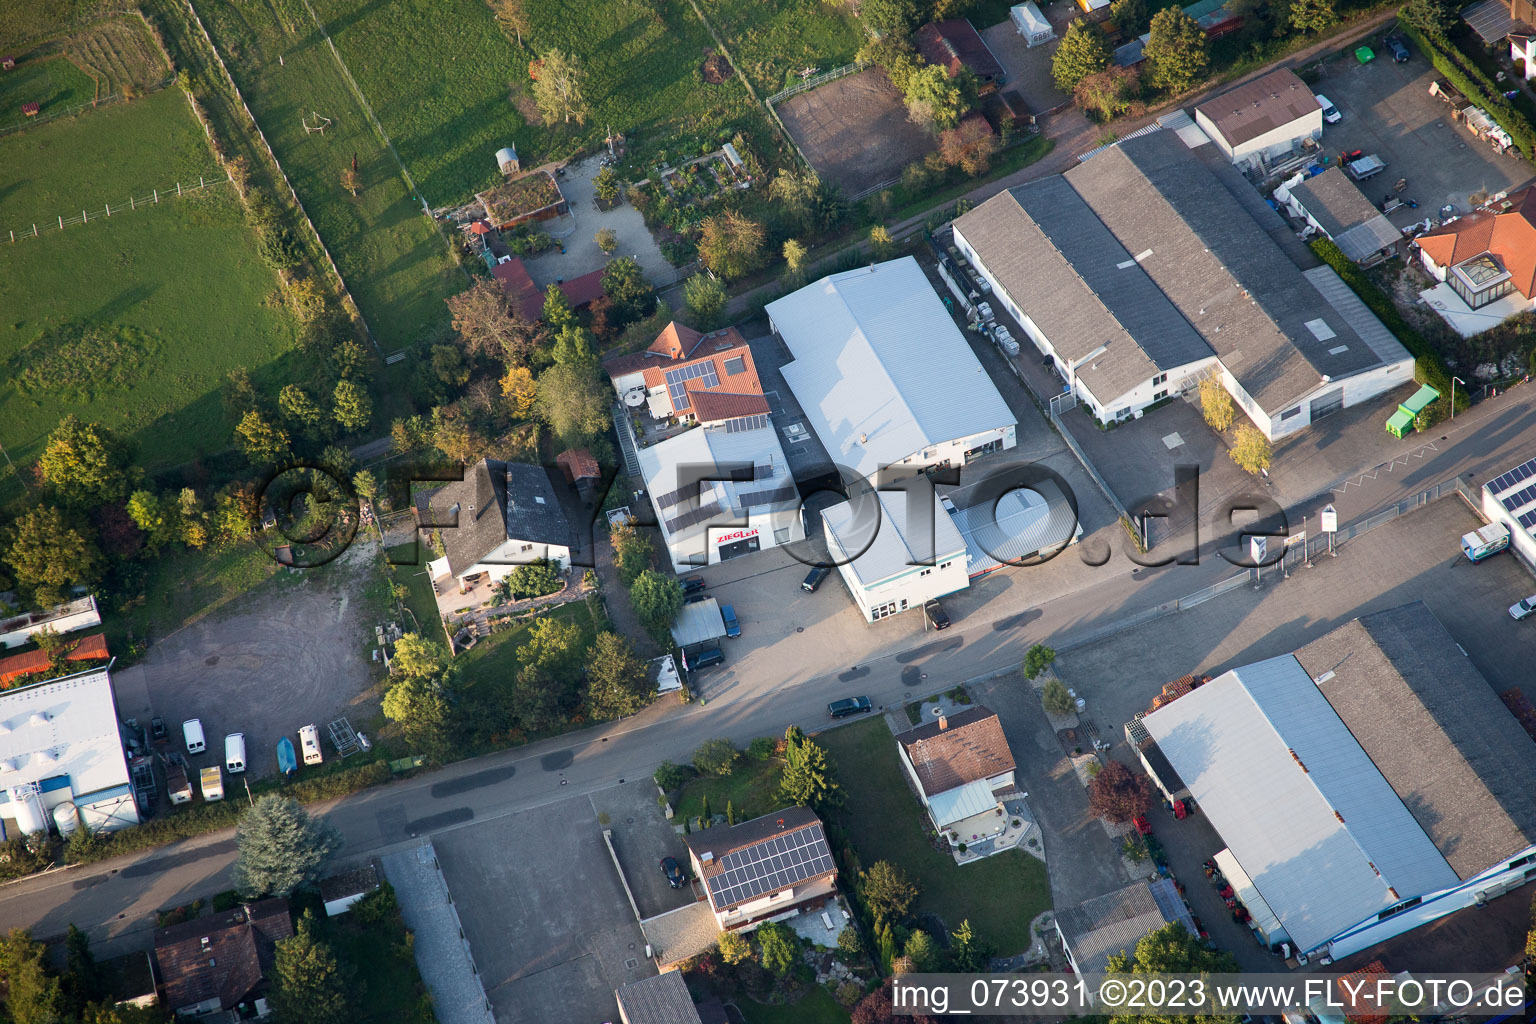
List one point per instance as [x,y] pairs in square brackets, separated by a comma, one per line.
[1520,539]
[772,526]
[64,618]
[1434,269]
[628,382]
[1272,144]
[952,453]
[1489,885]
[904,591]
[509,556]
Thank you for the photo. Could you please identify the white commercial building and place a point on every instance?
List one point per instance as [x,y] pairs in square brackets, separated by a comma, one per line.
[721,491]
[1146,268]
[64,618]
[891,388]
[1369,783]
[1263,121]
[61,752]
[1510,499]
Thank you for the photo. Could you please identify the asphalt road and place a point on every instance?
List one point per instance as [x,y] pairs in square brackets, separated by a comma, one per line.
[116,901]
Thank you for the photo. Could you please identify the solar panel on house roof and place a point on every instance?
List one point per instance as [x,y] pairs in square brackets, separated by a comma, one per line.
[1519,498]
[677,381]
[1514,476]
[771,865]
[693,518]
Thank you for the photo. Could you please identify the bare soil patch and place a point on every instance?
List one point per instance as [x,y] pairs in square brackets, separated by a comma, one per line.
[855,130]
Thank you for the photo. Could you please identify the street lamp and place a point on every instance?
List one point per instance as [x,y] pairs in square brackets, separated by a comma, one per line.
[1454,381]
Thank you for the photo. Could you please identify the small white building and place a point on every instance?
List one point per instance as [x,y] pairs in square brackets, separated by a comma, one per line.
[340,892]
[1031,24]
[63,618]
[1262,121]
[500,516]
[891,388]
[1368,784]
[1510,500]
[60,744]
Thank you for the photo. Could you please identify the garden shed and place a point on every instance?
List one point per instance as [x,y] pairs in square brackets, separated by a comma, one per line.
[1031,23]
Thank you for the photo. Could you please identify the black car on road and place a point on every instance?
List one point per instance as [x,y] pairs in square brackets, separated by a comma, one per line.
[938,618]
[814,577]
[674,874]
[693,584]
[850,706]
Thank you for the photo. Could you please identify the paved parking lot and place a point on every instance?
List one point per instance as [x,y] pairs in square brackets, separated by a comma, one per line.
[289,653]
[546,918]
[642,836]
[1388,111]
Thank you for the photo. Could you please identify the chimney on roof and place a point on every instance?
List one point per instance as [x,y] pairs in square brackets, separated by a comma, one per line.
[943,722]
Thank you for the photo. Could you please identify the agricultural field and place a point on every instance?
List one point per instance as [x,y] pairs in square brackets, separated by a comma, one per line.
[394,261]
[449,107]
[132,321]
[120,53]
[112,57]
[51,82]
[774,42]
[23,23]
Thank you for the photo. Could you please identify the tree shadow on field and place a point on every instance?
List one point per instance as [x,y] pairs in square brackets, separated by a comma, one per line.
[114,308]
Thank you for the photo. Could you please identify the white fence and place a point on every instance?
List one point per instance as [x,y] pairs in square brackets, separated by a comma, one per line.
[134,203]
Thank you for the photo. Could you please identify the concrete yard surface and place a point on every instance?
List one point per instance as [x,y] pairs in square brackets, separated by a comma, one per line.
[544,913]
[642,836]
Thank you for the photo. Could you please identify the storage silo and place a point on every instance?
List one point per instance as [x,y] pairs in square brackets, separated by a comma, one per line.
[27,808]
[67,818]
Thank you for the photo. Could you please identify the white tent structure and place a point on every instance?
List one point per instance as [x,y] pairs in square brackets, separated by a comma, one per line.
[1031,23]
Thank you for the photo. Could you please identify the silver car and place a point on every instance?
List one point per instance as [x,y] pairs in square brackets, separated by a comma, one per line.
[1523,607]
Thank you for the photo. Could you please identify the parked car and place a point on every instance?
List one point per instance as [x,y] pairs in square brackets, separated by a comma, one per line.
[813,578]
[234,753]
[732,627]
[693,584]
[1523,607]
[1330,112]
[157,728]
[938,618]
[192,733]
[703,658]
[696,599]
[1399,49]
[309,745]
[850,706]
[673,873]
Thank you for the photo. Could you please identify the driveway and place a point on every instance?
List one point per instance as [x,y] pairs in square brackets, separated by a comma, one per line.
[544,914]
[1029,67]
[576,230]
[642,836]
[1388,111]
[287,655]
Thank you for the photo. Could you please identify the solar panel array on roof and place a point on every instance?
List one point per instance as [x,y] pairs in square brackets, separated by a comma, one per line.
[741,423]
[1528,520]
[1514,476]
[1520,498]
[677,381]
[693,518]
[756,499]
[677,497]
[771,865]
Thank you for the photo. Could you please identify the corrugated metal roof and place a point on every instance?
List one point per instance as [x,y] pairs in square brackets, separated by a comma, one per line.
[1491,20]
[1363,240]
[877,356]
[1261,106]
[890,551]
[1296,799]
[1357,314]
[961,802]
[698,623]
[1019,525]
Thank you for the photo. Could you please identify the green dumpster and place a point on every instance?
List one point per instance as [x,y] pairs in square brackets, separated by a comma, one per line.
[1402,420]
[1400,423]
[1365,55]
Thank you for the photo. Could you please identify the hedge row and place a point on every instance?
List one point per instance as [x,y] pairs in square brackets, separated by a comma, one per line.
[85,848]
[1429,367]
[1467,77]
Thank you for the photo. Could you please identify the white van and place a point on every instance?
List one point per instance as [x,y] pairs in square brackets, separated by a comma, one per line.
[309,745]
[192,732]
[1330,112]
[234,752]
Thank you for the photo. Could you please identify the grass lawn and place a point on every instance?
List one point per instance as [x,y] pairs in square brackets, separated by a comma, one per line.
[387,986]
[774,42]
[886,823]
[394,261]
[816,1007]
[419,597]
[131,321]
[52,82]
[449,107]
[752,789]
[493,661]
[183,585]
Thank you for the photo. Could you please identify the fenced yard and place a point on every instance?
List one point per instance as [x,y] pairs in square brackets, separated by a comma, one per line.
[855,130]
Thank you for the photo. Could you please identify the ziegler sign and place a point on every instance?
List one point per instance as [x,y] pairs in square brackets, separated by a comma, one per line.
[726,538]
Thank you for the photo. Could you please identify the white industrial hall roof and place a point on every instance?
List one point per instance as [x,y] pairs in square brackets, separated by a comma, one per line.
[64,726]
[1303,809]
[880,369]
[878,551]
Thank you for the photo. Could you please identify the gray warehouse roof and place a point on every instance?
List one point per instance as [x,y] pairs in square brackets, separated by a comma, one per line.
[1221,269]
[1080,286]
[1344,214]
[1016,526]
[663,999]
[1427,717]
[877,358]
[1113,923]
[1298,802]
[890,546]
[1260,106]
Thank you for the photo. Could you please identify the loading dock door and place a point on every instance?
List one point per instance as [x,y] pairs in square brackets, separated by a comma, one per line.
[1333,401]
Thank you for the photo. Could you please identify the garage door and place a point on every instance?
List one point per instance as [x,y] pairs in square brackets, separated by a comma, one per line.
[740,547]
[1333,401]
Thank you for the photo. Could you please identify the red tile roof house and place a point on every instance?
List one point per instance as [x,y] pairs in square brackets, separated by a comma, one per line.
[529,297]
[963,771]
[765,869]
[1485,262]
[681,364]
[221,964]
[955,44]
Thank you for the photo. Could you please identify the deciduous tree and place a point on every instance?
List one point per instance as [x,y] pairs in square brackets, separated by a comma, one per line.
[299,408]
[154,516]
[49,552]
[734,947]
[617,681]
[1118,794]
[1170,950]
[1313,15]
[573,403]
[632,552]
[418,706]
[354,409]
[624,282]
[1057,699]
[607,240]
[308,983]
[1130,16]
[880,244]
[281,848]
[1432,16]
[262,440]
[513,16]
[84,464]
[794,262]
[934,99]
[889,17]
[1037,659]
[969,146]
[778,947]
[32,995]
[573,347]
[731,244]
[1216,405]
[558,88]
[520,390]
[887,891]
[706,300]
[716,757]
[968,954]
[1250,449]
[656,600]
[350,179]
[1083,51]
[1107,94]
[488,324]
[1176,50]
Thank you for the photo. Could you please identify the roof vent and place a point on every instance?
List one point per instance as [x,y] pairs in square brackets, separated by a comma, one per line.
[205,942]
[707,857]
[863,439]
[1324,677]
[538,499]
[943,722]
